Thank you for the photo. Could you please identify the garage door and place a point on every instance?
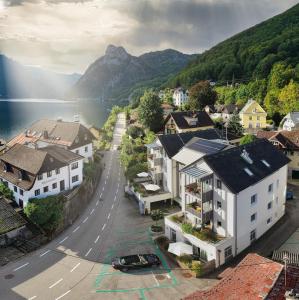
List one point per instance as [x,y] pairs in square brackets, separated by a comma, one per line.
[295,174]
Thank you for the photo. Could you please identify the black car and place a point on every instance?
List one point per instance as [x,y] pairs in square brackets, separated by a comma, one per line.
[125,263]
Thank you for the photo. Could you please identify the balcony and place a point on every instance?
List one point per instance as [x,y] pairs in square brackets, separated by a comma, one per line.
[204,213]
[195,209]
[194,189]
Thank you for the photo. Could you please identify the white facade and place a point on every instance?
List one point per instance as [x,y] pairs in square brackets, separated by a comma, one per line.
[180,97]
[86,151]
[51,183]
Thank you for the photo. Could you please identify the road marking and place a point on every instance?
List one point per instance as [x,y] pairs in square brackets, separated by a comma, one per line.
[97,239]
[31,298]
[45,253]
[85,220]
[168,276]
[103,226]
[92,211]
[105,182]
[63,240]
[109,216]
[75,267]
[114,198]
[76,229]
[88,252]
[97,203]
[107,176]
[101,194]
[103,189]
[157,282]
[58,281]
[112,206]
[63,295]
[23,266]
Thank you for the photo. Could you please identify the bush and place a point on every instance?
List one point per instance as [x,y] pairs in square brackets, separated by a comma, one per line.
[135,132]
[187,228]
[197,268]
[186,259]
[5,191]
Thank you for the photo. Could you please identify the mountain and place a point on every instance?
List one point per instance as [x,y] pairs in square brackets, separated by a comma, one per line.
[116,74]
[18,81]
[249,54]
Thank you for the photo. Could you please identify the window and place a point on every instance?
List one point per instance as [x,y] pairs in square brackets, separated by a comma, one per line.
[219,224]
[219,204]
[75,178]
[49,173]
[269,220]
[86,148]
[270,188]
[218,184]
[253,217]
[21,192]
[269,205]
[46,189]
[54,185]
[253,199]
[77,151]
[15,189]
[265,163]
[252,235]
[250,118]
[74,165]
[248,172]
[36,192]
[39,176]
[228,253]
[258,118]
[57,171]
[277,183]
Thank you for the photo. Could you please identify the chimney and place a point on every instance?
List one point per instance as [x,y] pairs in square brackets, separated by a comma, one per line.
[45,134]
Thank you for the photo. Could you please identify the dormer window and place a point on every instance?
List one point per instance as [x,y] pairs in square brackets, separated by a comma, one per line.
[265,163]
[245,156]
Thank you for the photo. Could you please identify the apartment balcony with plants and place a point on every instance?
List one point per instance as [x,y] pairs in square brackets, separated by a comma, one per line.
[155,162]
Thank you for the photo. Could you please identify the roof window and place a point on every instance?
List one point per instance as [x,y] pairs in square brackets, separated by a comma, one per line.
[265,163]
[248,172]
[245,156]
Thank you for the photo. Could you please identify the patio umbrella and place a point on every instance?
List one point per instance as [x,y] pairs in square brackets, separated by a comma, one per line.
[151,187]
[142,174]
[180,248]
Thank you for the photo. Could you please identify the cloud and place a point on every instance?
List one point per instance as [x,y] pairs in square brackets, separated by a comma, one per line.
[67,35]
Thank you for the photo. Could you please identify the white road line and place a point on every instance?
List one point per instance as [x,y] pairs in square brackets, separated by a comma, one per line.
[23,266]
[75,267]
[44,253]
[58,281]
[157,282]
[107,176]
[92,211]
[105,182]
[101,194]
[103,226]
[96,240]
[114,199]
[97,203]
[63,240]
[31,298]
[85,220]
[63,295]
[103,189]
[88,252]
[112,206]
[109,216]
[76,229]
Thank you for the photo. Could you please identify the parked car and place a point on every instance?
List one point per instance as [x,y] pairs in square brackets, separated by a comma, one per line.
[124,263]
[289,195]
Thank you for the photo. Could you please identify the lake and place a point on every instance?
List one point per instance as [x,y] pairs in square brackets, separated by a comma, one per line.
[17,114]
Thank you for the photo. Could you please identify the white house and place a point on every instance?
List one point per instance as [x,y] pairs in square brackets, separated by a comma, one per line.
[290,121]
[230,198]
[37,173]
[180,97]
[68,135]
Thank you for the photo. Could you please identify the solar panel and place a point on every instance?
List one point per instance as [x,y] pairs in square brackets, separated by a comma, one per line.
[206,146]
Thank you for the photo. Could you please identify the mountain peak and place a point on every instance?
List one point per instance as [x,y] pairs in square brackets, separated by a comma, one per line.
[117,52]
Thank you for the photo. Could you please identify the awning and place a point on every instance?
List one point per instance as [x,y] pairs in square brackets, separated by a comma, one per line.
[195,172]
[142,174]
[180,248]
[151,187]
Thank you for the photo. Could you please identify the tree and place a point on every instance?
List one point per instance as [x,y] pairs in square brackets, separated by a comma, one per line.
[247,139]
[234,126]
[150,112]
[201,94]
[157,215]
[289,97]
[135,131]
[167,97]
[46,212]
[5,191]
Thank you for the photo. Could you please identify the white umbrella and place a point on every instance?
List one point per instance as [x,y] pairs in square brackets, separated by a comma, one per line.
[142,174]
[151,187]
[180,248]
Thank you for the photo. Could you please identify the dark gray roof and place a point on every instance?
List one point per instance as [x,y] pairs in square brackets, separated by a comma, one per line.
[230,167]
[61,154]
[9,218]
[205,146]
[172,143]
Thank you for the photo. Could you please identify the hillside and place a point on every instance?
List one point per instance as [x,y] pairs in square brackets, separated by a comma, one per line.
[250,54]
[115,75]
[18,81]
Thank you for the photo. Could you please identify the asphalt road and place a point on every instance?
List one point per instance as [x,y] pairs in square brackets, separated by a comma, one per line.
[76,265]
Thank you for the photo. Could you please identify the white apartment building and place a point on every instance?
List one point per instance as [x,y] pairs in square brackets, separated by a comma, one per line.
[290,121]
[38,173]
[72,136]
[180,97]
[230,198]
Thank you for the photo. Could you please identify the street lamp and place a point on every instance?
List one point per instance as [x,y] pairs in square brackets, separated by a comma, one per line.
[285,259]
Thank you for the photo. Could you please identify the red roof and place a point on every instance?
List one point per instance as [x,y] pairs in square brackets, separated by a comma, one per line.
[252,279]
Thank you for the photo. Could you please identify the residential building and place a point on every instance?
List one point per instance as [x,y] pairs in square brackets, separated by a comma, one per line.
[222,111]
[37,173]
[183,121]
[253,116]
[72,136]
[231,198]
[167,109]
[180,97]
[288,142]
[253,278]
[290,121]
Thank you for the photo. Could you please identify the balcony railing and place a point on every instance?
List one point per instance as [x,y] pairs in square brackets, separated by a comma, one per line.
[194,189]
[195,209]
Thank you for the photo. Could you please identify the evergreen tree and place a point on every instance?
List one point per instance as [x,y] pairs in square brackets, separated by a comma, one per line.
[234,126]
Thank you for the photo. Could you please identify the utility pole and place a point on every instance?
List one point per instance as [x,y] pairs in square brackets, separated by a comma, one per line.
[285,259]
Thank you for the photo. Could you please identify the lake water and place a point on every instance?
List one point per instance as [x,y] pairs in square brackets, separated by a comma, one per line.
[17,114]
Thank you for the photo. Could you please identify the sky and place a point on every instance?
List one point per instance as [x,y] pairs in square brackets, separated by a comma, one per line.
[67,35]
